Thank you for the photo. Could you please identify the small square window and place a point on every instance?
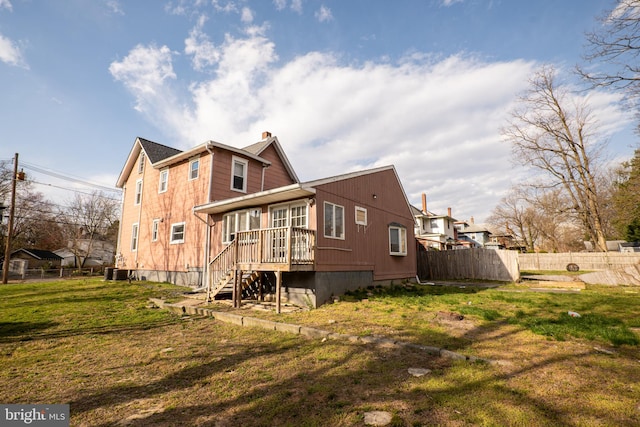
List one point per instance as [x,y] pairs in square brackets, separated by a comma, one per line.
[361,216]
[177,233]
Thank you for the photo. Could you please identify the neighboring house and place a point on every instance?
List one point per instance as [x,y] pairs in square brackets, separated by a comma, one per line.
[101,253]
[435,231]
[473,235]
[244,212]
[36,258]
[629,247]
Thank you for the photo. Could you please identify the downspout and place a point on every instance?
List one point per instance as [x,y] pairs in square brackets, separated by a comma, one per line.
[144,172]
[119,241]
[207,240]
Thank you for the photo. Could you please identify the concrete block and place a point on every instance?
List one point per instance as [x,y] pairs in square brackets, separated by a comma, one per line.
[228,318]
[286,327]
[313,332]
[259,323]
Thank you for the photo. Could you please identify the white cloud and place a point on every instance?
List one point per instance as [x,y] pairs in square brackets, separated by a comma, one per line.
[437,120]
[6,4]
[280,4]
[146,72]
[10,53]
[296,6]
[246,15]
[324,14]
[114,6]
[448,3]
[198,45]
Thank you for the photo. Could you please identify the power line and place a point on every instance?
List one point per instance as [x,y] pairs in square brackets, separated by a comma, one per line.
[68,177]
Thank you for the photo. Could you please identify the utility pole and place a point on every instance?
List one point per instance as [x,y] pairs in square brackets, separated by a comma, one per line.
[7,250]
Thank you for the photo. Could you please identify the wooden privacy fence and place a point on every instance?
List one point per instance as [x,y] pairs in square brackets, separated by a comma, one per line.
[584,260]
[475,264]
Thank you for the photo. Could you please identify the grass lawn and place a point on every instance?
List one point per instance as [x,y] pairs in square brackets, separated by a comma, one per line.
[99,347]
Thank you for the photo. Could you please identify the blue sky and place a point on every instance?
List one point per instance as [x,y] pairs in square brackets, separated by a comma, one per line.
[424,85]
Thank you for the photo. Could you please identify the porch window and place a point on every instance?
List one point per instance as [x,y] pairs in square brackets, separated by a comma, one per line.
[240,221]
[194,168]
[294,215]
[164,181]
[138,196]
[177,233]
[333,221]
[397,240]
[134,237]
[154,230]
[239,174]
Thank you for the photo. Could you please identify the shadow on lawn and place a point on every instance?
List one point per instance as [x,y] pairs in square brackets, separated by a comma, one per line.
[29,331]
[332,394]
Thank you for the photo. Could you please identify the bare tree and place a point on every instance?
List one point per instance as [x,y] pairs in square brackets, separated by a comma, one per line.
[515,214]
[615,48]
[553,131]
[88,218]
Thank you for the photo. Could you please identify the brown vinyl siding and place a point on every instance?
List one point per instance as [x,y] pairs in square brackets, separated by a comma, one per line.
[365,247]
[276,174]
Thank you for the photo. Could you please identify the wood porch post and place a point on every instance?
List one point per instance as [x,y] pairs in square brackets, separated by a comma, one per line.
[238,284]
[278,291]
[234,288]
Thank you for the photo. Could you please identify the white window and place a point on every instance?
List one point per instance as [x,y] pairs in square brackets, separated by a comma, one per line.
[154,230]
[361,216]
[240,221]
[333,221]
[194,168]
[397,240]
[138,198]
[134,237]
[164,181]
[177,233]
[239,169]
[141,163]
[294,215]
[434,224]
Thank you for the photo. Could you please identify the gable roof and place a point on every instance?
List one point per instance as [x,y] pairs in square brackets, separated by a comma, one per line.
[289,192]
[160,155]
[156,152]
[259,147]
[38,254]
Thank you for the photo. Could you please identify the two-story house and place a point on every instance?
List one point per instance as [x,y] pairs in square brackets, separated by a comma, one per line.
[224,218]
[473,235]
[435,231]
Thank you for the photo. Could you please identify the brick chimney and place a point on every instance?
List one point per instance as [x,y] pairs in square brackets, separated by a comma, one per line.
[266,135]
[449,212]
[471,220]
[424,203]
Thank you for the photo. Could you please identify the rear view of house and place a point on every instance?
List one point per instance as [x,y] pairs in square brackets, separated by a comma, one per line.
[238,220]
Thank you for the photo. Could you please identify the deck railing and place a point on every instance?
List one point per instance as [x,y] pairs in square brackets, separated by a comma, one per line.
[285,246]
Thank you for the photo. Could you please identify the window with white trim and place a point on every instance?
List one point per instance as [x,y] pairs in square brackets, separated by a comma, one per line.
[154,230]
[194,168]
[138,197]
[333,221]
[240,221]
[177,233]
[361,216]
[397,240]
[134,237]
[141,162]
[164,180]
[239,168]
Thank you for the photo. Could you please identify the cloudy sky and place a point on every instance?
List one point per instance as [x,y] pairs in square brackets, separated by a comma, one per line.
[424,85]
